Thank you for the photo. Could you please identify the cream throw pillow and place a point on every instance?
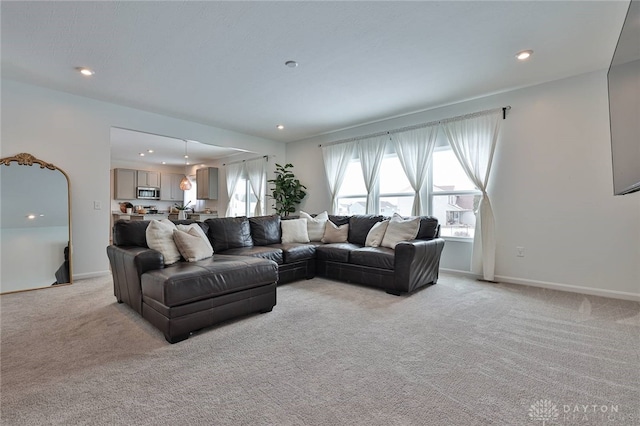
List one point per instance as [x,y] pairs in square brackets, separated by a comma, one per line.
[160,237]
[199,230]
[376,234]
[335,234]
[315,225]
[294,231]
[400,230]
[191,245]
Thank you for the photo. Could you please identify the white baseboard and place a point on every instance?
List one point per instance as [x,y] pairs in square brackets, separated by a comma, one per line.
[614,294]
[88,275]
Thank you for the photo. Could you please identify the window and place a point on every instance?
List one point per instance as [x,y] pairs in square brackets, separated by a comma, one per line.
[243,201]
[454,199]
[395,192]
[352,197]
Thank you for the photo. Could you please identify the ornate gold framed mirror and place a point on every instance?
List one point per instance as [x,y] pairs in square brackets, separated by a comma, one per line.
[35,224]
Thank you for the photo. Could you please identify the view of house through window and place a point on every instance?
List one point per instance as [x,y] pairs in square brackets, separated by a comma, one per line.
[243,201]
[453,198]
[395,192]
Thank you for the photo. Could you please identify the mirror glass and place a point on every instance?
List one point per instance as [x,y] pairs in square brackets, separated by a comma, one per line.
[35,232]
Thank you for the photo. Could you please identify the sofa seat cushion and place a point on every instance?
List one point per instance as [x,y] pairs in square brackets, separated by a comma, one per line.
[295,252]
[336,252]
[184,282]
[264,252]
[376,257]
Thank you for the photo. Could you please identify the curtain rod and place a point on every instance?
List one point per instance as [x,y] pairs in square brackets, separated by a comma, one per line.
[422,125]
[266,157]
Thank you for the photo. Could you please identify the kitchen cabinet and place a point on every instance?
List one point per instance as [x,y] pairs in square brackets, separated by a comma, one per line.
[148,179]
[207,183]
[170,187]
[124,184]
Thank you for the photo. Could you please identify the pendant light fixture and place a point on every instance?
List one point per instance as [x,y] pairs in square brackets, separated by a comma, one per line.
[185,183]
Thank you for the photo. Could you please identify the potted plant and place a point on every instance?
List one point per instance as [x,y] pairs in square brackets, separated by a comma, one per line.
[287,191]
[182,210]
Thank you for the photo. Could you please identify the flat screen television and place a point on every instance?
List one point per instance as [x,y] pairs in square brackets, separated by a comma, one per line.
[624,105]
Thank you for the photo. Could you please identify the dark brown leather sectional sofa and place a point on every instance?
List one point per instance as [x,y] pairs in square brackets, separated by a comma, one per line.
[249,261]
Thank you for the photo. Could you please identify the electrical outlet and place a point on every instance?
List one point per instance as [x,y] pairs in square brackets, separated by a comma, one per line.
[520,251]
[97,205]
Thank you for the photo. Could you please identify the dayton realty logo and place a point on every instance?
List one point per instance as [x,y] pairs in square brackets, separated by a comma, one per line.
[544,411]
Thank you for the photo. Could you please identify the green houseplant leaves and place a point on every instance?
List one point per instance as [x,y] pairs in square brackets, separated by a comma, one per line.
[287,191]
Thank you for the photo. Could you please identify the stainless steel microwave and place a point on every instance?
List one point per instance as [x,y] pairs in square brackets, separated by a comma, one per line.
[145,193]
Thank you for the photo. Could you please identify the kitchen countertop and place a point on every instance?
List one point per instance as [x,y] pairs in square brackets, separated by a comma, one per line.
[140,216]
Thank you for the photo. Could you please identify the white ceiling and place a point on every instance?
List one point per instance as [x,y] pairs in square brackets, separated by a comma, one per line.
[127,145]
[222,63]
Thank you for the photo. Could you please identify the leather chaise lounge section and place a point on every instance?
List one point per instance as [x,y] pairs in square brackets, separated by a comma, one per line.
[187,296]
[249,259]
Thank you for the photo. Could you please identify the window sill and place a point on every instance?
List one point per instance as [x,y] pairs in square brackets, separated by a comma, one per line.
[459,239]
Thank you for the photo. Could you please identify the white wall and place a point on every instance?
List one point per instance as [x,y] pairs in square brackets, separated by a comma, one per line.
[551,188]
[73,133]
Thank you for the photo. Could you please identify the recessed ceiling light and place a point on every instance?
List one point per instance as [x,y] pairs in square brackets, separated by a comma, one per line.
[31,216]
[280,126]
[85,71]
[164,162]
[188,163]
[150,151]
[291,64]
[141,154]
[524,55]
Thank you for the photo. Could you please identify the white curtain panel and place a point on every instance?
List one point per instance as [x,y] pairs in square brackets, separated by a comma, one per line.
[414,149]
[371,151]
[336,159]
[257,176]
[473,141]
[233,172]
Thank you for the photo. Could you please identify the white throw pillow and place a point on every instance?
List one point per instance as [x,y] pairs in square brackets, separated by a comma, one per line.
[294,231]
[400,230]
[335,234]
[191,245]
[376,234]
[199,230]
[160,237]
[315,225]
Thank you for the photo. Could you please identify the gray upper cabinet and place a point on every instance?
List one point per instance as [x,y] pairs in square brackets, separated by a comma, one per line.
[170,187]
[148,179]
[124,184]
[207,183]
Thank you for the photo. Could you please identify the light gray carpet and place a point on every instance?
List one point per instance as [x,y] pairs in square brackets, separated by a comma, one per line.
[461,352]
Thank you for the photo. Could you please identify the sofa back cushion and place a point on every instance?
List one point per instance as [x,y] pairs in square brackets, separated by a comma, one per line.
[339,220]
[130,233]
[265,230]
[428,228]
[229,232]
[359,227]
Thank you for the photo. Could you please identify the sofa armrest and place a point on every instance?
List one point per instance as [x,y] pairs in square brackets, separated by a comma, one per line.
[416,263]
[127,266]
